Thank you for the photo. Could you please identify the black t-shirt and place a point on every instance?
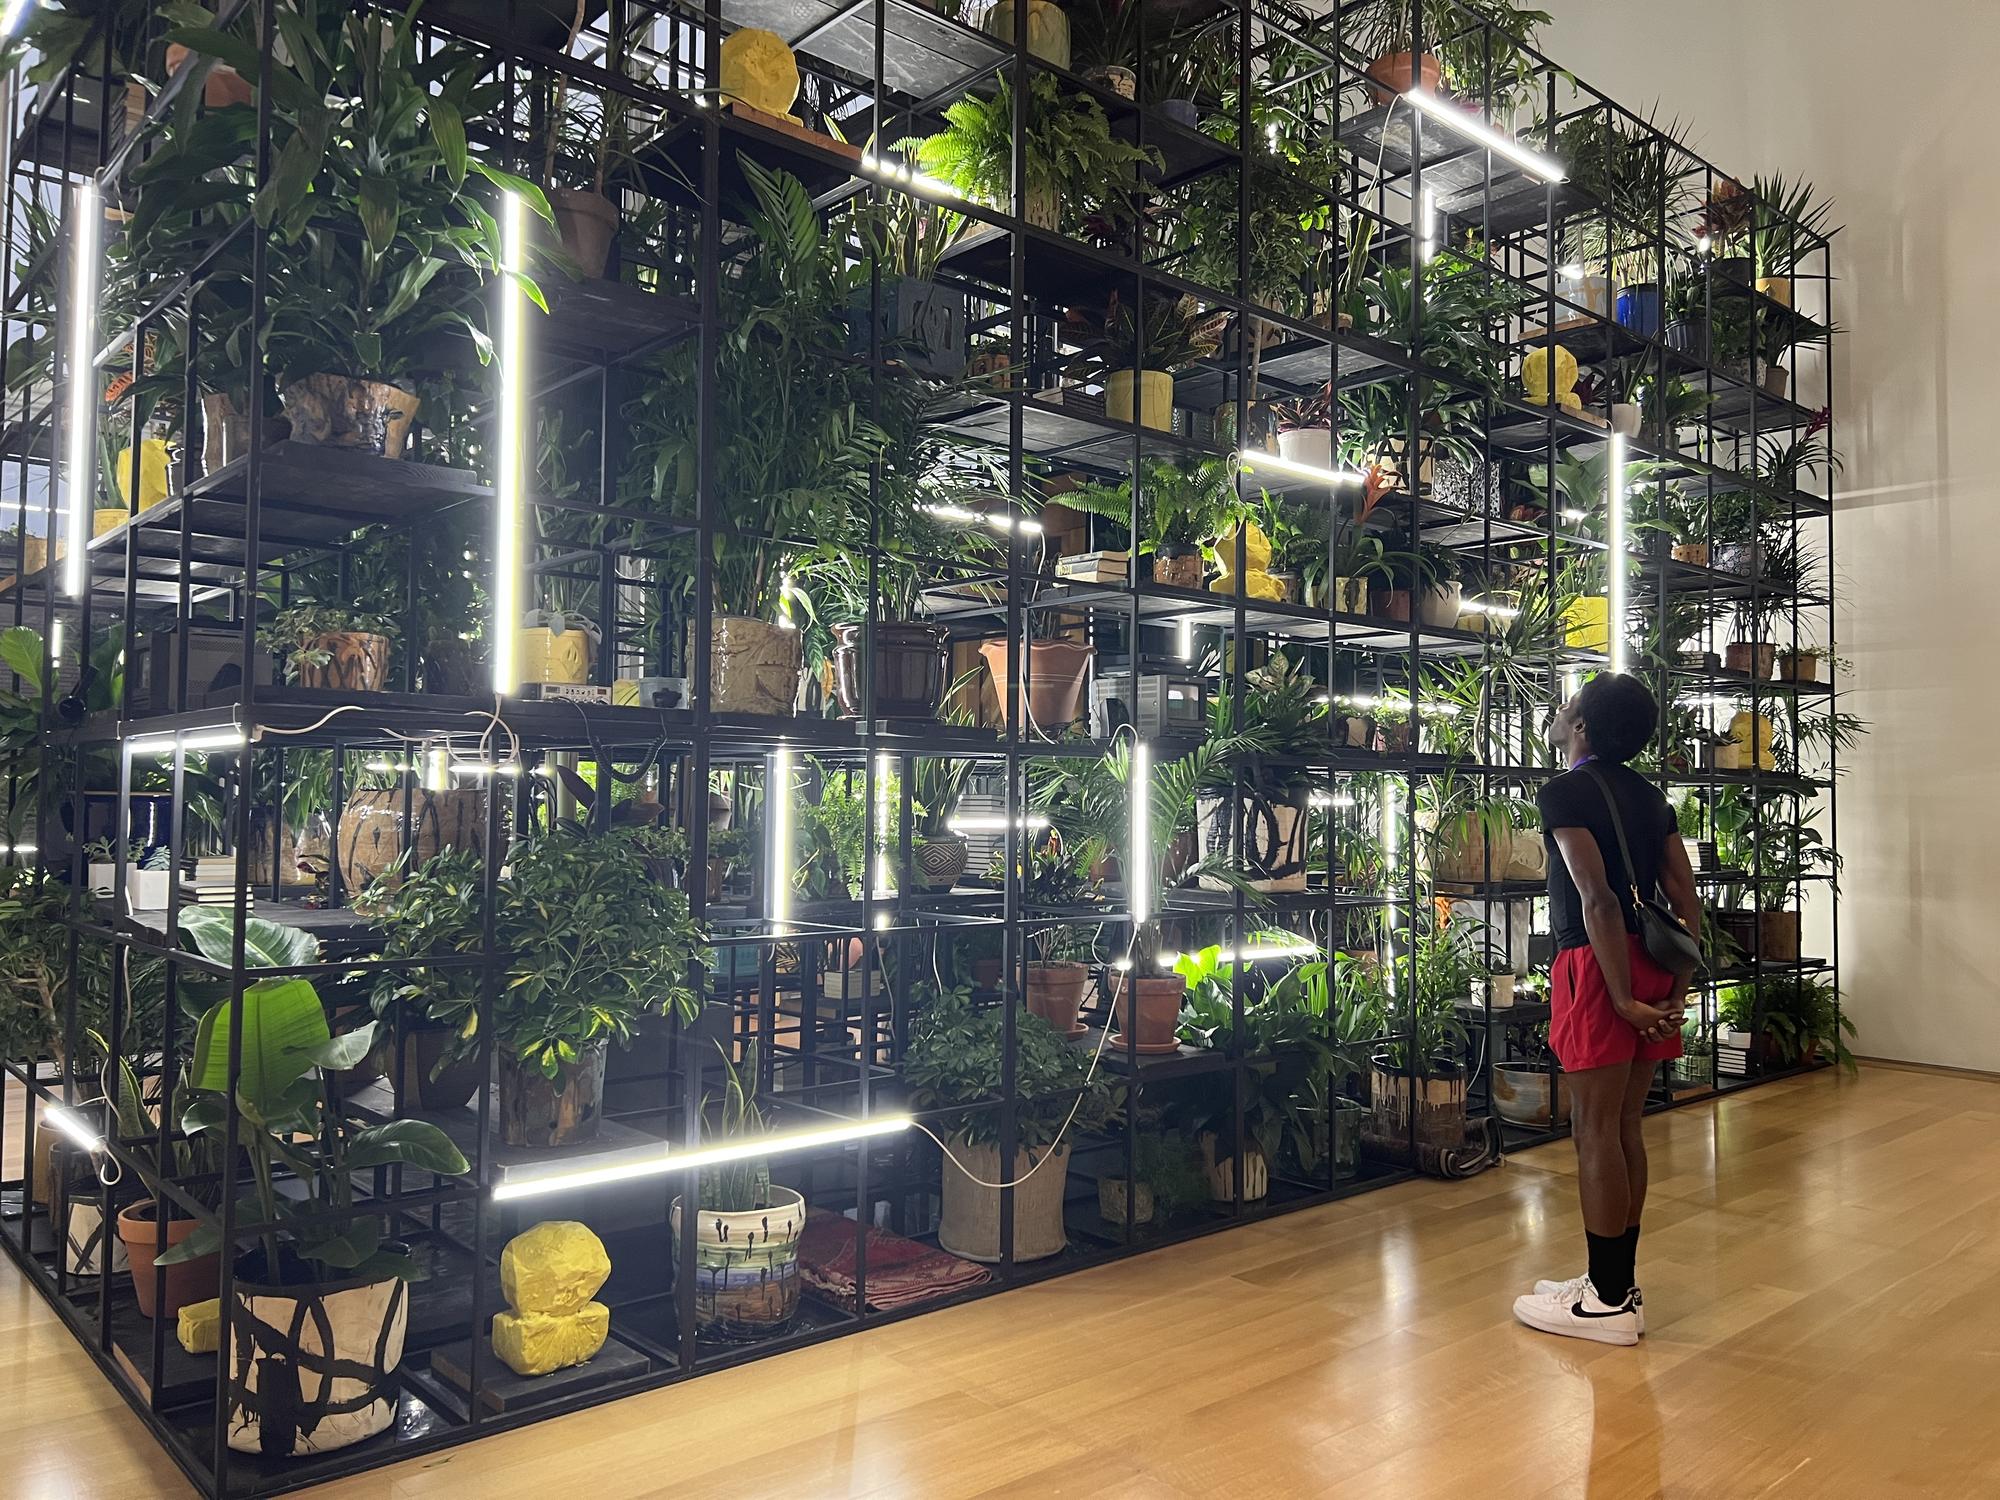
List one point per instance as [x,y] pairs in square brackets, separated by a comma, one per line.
[1576,800]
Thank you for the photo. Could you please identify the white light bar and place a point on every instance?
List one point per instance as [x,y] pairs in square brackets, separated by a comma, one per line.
[72,1126]
[1256,952]
[509,492]
[1615,554]
[1255,460]
[1337,799]
[995,822]
[707,1156]
[86,219]
[485,768]
[906,176]
[1498,611]
[1477,131]
[195,739]
[778,799]
[1138,875]
[1570,515]
[1000,523]
[1401,704]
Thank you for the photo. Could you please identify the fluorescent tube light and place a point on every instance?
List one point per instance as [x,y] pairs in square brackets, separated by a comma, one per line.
[1615,557]
[1138,875]
[906,176]
[1255,952]
[1572,516]
[1254,460]
[71,1125]
[778,799]
[670,1160]
[196,739]
[86,219]
[1001,523]
[511,464]
[1498,611]
[995,822]
[1336,799]
[1477,131]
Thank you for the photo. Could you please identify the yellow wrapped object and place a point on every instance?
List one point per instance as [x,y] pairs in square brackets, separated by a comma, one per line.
[542,1343]
[555,1267]
[1535,379]
[547,657]
[200,1326]
[1750,736]
[759,69]
[1257,580]
[153,485]
[1587,623]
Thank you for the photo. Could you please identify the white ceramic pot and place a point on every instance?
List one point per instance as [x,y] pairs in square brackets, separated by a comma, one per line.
[1625,418]
[86,1237]
[147,890]
[314,1364]
[1593,293]
[1438,605]
[1307,445]
[103,879]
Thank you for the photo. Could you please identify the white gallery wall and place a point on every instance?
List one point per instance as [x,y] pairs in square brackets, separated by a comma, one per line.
[1887,108]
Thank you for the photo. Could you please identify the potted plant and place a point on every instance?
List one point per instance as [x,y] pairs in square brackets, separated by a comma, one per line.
[1167,1180]
[331,646]
[1136,350]
[1471,46]
[954,1063]
[1048,29]
[937,785]
[921,321]
[1055,884]
[1076,168]
[1284,718]
[321,1283]
[1528,1090]
[1104,43]
[588,138]
[597,941]
[1305,428]
[1418,1081]
[1053,668]
[747,1229]
[147,880]
[557,644]
[1788,223]
[1181,503]
[391,822]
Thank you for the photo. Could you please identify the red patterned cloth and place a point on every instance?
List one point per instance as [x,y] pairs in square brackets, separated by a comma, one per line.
[900,1271]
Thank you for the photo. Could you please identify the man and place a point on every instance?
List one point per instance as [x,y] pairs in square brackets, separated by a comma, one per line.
[1615,1014]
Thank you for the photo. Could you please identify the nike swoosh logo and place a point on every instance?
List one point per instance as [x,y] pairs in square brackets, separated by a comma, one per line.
[1580,1311]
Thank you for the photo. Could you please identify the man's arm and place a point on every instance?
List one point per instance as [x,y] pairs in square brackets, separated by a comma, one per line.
[1604,921]
[1677,879]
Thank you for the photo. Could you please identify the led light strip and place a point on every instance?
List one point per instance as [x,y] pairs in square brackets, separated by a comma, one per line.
[1336,799]
[905,176]
[1000,523]
[1479,132]
[87,217]
[509,491]
[1254,953]
[198,739]
[706,1156]
[72,1126]
[1615,555]
[1253,460]
[996,822]
[778,801]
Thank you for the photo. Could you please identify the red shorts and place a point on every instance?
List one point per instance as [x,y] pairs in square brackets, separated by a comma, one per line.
[1583,1028]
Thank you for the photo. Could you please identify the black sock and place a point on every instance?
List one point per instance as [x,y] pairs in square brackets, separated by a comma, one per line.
[1632,1249]
[1610,1266]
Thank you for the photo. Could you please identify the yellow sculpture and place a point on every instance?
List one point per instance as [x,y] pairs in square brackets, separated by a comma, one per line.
[759,69]
[1257,580]
[1587,623]
[153,481]
[199,1328]
[549,1274]
[1750,743]
[1535,377]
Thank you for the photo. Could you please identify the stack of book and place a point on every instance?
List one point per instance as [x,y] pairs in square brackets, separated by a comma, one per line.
[1094,567]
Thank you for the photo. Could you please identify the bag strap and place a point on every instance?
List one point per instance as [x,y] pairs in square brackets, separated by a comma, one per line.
[1618,827]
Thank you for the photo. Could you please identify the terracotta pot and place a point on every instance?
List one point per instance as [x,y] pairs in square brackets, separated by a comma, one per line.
[1694,553]
[338,411]
[969,1222]
[1055,993]
[1181,570]
[1798,666]
[1754,659]
[746,1265]
[191,1281]
[1054,686]
[1778,936]
[940,861]
[1390,604]
[359,662]
[1155,389]
[372,831]
[315,1361]
[912,669]
[587,222]
[753,667]
[1522,1095]
[222,87]
[1776,380]
[1391,75]
[1158,1004]
[535,1111]
[417,1091]
[986,973]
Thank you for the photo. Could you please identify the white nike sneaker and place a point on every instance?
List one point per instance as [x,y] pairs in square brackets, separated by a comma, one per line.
[1578,1284]
[1581,1316]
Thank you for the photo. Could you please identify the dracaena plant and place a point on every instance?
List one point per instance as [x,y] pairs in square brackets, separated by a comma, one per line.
[296,633]
[377,242]
[595,937]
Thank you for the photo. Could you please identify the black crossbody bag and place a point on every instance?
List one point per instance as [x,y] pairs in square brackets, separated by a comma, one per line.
[1668,943]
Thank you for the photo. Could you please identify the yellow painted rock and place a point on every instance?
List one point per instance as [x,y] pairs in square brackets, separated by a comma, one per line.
[1587,623]
[200,1327]
[555,1267]
[153,484]
[542,1343]
[759,69]
[1535,378]
[1257,582]
[1750,735]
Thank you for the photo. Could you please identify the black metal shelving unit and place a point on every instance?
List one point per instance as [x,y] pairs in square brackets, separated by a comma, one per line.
[165,725]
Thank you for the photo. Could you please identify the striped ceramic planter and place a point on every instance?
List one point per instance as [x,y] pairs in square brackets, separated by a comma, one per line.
[939,861]
[747,1266]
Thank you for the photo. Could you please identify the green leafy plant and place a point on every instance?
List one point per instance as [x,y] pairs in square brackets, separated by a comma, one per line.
[296,633]
[1789,222]
[1169,334]
[1182,502]
[595,941]
[1479,44]
[743,1184]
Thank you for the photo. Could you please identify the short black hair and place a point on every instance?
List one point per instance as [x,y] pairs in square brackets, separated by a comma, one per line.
[1618,714]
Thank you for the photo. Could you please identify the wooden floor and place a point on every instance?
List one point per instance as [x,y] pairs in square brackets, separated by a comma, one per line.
[1822,1273]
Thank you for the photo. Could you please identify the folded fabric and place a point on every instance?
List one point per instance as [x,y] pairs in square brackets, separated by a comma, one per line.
[900,1271]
